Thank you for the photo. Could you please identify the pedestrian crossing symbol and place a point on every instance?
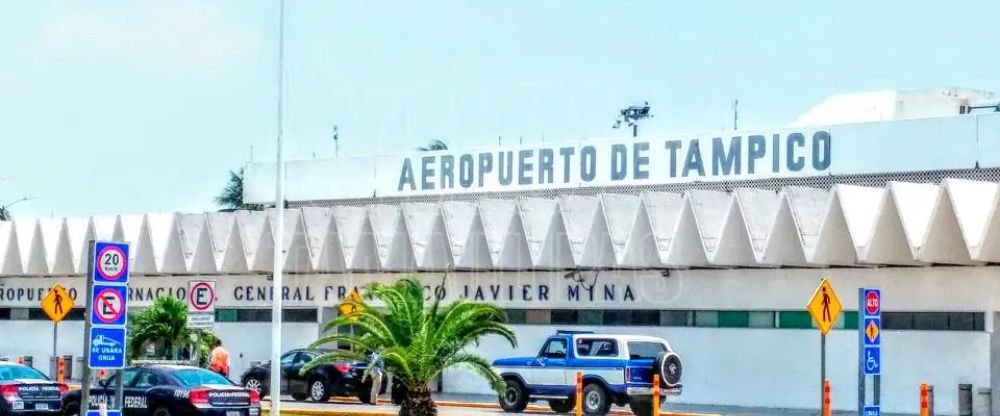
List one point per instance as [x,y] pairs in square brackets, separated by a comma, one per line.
[57,303]
[352,305]
[824,307]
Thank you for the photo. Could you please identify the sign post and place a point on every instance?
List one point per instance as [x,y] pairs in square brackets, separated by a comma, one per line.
[869,349]
[201,311]
[56,305]
[825,308]
[104,328]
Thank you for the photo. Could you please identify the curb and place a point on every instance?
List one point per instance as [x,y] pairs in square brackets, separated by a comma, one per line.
[530,409]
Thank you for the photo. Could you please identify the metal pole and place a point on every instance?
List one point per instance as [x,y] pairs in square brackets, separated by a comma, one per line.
[877,390]
[55,342]
[279,205]
[822,372]
[86,376]
[120,391]
[861,351]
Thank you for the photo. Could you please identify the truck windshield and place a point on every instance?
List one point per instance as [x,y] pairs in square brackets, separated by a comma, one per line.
[638,350]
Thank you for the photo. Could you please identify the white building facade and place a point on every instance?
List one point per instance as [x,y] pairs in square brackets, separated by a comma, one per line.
[715,242]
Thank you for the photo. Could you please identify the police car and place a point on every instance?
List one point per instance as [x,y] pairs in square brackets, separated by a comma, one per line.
[616,369]
[167,390]
[25,391]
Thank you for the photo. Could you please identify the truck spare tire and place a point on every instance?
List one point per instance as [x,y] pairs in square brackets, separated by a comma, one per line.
[668,366]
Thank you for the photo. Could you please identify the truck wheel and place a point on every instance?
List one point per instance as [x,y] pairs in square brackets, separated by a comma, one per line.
[668,366]
[595,400]
[561,406]
[514,398]
[641,407]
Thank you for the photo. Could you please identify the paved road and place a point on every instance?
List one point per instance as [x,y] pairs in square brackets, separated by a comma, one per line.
[347,405]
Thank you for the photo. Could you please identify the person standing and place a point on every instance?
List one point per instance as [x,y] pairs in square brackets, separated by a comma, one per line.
[377,371]
[219,361]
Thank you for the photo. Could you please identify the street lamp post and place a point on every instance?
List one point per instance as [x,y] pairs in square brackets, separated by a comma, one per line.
[279,233]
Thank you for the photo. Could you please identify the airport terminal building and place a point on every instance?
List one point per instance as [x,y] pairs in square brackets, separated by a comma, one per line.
[715,241]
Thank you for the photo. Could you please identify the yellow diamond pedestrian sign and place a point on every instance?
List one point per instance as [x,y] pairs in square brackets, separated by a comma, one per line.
[351,306]
[871,331]
[824,307]
[57,304]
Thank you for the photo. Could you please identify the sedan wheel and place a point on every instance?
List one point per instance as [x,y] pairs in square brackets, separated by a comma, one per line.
[317,391]
[254,384]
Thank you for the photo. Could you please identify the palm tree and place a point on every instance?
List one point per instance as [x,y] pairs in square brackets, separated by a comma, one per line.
[417,343]
[165,324]
[232,195]
[433,145]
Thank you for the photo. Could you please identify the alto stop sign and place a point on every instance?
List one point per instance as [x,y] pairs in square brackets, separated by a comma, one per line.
[873,302]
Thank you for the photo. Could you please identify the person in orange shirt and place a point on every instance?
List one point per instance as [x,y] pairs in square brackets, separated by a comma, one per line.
[219,362]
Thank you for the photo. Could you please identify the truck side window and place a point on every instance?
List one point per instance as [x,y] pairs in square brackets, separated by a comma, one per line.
[644,350]
[555,348]
[597,348]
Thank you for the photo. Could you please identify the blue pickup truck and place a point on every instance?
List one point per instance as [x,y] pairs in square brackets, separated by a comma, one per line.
[617,369]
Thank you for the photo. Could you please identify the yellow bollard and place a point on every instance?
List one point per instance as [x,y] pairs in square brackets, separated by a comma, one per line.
[656,394]
[579,393]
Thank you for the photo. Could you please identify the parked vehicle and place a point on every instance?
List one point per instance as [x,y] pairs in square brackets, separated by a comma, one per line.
[318,384]
[168,390]
[617,369]
[25,391]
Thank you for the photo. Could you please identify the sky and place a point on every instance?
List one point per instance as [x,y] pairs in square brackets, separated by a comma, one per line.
[116,106]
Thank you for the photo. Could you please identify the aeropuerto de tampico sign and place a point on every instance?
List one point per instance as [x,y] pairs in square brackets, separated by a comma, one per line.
[612,162]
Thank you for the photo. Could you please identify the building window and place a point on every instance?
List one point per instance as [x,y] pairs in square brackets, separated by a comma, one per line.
[734,319]
[934,321]
[565,317]
[706,319]
[5,314]
[794,320]
[590,317]
[761,319]
[675,318]
[516,316]
[645,318]
[538,316]
[19,314]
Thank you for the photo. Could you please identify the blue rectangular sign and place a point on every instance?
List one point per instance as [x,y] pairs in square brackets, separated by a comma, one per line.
[111,263]
[873,411]
[110,412]
[873,332]
[872,361]
[107,348]
[108,306]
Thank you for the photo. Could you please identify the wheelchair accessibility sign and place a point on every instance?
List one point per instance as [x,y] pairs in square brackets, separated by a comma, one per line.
[873,361]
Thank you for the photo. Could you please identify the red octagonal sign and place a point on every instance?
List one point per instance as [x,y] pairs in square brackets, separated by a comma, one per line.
[873,302]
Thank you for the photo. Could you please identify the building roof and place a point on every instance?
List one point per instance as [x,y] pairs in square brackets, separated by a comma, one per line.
[956,222]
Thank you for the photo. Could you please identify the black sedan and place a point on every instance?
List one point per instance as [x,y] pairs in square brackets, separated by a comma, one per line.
[318,384]
[166,390]
[25,391]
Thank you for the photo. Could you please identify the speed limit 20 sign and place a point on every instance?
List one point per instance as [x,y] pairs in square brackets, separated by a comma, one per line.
[111,262]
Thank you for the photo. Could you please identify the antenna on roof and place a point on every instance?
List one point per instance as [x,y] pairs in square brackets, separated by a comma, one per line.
[336,142]
[736,114]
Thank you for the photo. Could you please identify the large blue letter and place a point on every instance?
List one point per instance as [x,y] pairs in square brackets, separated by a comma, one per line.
[588,163]
[465,170]
[757,150]
[619,162]
[524,166]
[640,161]
[426,173]
[545,165]
[447,180]
[485,166]
[726,163]
[693,159]
[566,152]
[506,169]
[672,146]
[795,163]
[406,176]
[821,150]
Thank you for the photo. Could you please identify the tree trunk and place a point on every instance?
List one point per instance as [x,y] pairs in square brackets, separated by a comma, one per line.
[418,401]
